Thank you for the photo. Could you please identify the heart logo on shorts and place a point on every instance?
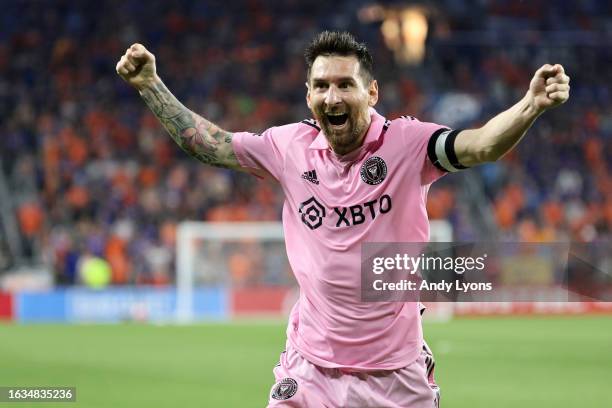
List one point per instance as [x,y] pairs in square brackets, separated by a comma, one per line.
[284,389]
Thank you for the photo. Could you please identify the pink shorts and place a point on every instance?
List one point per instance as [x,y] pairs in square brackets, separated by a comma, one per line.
[299,383]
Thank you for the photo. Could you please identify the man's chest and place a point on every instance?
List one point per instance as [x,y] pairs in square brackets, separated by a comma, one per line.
[329,193]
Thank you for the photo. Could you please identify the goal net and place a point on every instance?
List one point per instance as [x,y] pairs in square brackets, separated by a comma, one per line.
[242,257]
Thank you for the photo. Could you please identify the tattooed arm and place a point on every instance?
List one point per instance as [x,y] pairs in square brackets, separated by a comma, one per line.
[194,134]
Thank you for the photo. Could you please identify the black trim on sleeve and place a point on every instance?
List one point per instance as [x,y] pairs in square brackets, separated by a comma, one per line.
[449,148]
[386,125]
[311,122]
[431,148]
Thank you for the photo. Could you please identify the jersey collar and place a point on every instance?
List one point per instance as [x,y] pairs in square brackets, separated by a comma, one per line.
[374,132]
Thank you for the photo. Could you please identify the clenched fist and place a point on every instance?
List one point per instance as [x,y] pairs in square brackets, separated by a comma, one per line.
[137,66]
[549,87]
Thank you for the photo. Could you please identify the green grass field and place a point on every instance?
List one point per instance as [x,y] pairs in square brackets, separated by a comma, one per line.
[502,362]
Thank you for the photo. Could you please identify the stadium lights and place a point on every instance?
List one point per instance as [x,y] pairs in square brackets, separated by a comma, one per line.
[404,30]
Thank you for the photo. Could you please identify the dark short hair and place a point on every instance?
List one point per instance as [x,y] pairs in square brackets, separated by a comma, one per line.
[339,43]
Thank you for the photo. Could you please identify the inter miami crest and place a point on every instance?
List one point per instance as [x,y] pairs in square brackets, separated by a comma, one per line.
[284,389]
[374,170]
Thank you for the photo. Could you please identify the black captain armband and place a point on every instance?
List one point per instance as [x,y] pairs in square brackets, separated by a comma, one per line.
[441,150]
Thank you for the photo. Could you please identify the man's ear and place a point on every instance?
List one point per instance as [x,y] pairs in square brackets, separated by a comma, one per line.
[373,93]
[307,95]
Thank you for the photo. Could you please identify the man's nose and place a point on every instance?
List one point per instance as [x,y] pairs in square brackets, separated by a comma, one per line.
[332,97]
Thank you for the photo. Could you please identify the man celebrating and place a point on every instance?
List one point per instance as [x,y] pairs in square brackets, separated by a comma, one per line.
[350,176]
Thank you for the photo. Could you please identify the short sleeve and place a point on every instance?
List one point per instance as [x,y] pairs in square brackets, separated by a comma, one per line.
[432,145]
[261,154]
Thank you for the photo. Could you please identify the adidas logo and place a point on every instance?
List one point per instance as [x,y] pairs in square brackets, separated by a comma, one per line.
[310,176]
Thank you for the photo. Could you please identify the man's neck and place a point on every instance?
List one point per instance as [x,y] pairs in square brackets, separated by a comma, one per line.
[344,150]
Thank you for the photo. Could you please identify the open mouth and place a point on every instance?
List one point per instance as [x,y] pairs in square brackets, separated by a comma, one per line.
[337,119]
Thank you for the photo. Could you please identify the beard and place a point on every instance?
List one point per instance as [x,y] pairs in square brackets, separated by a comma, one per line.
[348,137]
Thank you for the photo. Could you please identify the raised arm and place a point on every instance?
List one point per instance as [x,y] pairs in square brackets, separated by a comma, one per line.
[195,135]
[549,88]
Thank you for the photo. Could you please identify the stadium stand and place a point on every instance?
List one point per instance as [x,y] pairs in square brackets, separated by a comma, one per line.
[86,169]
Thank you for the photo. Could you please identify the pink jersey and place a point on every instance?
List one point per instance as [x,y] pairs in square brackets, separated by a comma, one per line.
[334,204]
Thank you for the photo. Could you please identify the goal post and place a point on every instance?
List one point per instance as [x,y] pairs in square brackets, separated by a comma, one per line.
[203,250]
[190,233]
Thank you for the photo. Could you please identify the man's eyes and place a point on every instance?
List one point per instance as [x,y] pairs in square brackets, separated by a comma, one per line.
[341,85]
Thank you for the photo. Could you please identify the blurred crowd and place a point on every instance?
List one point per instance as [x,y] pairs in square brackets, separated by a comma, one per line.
[91,173]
